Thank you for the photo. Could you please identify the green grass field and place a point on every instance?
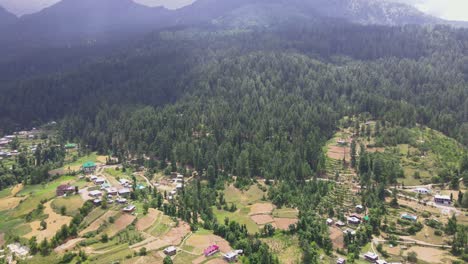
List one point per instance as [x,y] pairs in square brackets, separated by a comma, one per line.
[37,193]
[285,213]
[161,226]
[243,200]
[5,193]
[71,203]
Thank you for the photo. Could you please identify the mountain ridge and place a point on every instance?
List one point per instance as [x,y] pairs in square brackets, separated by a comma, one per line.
[85,22]
[6,18]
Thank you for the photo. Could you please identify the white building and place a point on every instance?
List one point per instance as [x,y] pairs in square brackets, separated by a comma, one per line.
[442,199]
[422,190]
[170,251]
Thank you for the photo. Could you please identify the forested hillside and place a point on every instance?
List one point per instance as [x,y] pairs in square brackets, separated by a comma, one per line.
[407,75]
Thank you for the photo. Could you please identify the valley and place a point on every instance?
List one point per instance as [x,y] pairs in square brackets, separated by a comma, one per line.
[246,131]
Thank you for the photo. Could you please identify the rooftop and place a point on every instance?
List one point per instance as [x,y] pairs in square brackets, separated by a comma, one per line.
[89,164]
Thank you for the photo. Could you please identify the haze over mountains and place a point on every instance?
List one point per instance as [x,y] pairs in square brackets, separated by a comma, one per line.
[69,19]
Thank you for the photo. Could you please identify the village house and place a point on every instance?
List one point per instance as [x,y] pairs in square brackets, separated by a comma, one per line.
[124,182]
[129,209]
[66,189]
[341,261]
[97,201]
[409,217]
[349,231]
[124,192]
[211,250]
[359,208]
[18,250]
[99,181]
[111,191]
[442,199]
[121,200]
[422,190]
[371,257]
[95,193]
[329,221]
[381,261]
[170,251]
[340,224]
[231,256]
[354,220]
[89,167]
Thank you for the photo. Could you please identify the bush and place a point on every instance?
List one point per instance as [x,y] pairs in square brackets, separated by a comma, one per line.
[412,257]
[438,233]
[104,238]
[426,214]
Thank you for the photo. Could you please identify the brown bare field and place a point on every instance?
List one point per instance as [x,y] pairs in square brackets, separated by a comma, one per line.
[337,152]
[101,159]
[262,219]
[283,223]
[431,255]
[150,258]
[261,208]
[120,224]
[54,223]
[98,222]
[148,220]
[337,237]
[173,237]
[373,150]
[201,242]
[9,203]
[16,189]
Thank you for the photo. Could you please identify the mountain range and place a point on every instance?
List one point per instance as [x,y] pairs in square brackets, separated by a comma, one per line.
[83,19]
[76,23]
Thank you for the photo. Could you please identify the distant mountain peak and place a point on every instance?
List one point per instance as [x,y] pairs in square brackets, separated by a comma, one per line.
[6,18]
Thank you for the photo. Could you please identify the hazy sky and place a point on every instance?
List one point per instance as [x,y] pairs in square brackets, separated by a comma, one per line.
[448,9]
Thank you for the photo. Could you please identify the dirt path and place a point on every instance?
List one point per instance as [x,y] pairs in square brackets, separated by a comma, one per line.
[69,245]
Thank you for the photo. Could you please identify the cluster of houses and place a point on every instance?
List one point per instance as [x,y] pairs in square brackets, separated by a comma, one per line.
[178,181]
[113,194]
[16,251]
[438,199]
